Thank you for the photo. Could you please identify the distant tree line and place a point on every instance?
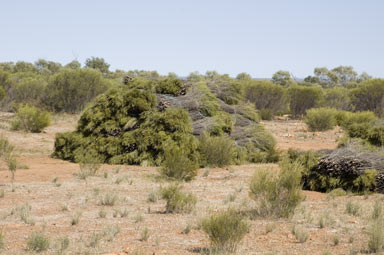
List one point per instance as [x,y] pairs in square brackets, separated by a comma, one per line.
[69,88]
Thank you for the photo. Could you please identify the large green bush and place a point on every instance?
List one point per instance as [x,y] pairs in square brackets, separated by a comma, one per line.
[30,119]
[124,127]
[320,119]
[71,90]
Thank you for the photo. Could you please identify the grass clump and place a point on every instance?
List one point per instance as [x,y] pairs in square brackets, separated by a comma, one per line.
[108,199]
[225,230]
[376,236]
[38,242]
[177,200]
[76,218]
[277,194]
[2,243]
[320,119]
[300,234]
[178,166]
[352,208]
[144,235]
[216,151]
[339,192]
[30,119]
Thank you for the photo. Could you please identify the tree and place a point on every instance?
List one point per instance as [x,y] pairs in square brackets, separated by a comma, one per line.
[338,76]
[282,78]
[74,64]
[71,90]
[369,96]
[243,76]
[50,67]
[22,66]
[5,83]
[267,95]
[303,98]
[98,64]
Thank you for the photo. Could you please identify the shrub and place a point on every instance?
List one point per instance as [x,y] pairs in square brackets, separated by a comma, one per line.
[216,150]
[30,119]
[38,242]
[169,86]
[177,201]
[266,114]
[71,90]
[123,127]
[303,98]
[320,119]
[277,194]
[177,165]
[225,230]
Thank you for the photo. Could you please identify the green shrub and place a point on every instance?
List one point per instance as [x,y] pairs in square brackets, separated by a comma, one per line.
[216,150]
[30,119]
[320,119]
[225,230]
[303,98]
[38,242]
[277,194]
[266,114]
[177,201]
[208,103]
[339,192]
[122,126]
[177,165]
[169,86]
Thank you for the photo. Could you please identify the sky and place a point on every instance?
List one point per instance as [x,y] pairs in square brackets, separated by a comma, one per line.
[257,37]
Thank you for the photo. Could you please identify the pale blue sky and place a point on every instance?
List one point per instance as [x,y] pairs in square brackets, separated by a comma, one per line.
[257,37]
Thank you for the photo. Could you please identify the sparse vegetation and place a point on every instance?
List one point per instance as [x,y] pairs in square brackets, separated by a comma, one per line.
[300,233]
[108,199]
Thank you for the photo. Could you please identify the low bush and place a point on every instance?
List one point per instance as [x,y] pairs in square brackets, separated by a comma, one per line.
[177,165]
[31,119]
[169,86]
[266,114]
[216,150]
[320,119]
[225,230]
[38,242]
[177,200]
[277,194]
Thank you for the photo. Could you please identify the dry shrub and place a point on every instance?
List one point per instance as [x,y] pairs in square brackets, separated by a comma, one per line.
[177,200]
[225,230]
[216,150]
[277,194]
[177,165]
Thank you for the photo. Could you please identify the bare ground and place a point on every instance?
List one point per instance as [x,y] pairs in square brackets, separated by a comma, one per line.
[55,203]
